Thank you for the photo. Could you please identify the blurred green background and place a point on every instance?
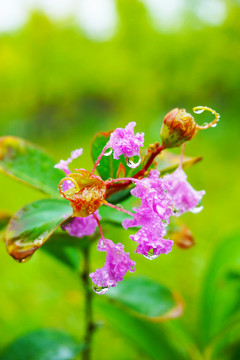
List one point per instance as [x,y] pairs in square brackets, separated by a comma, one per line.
[60,84]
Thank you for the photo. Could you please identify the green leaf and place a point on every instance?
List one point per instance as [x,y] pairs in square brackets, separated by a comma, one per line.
[149,338]
[27,163]
[44,344]
[66,249]
[147,298]
[220,299]
[4,219]
[167,162]
[108,166]
[31,226]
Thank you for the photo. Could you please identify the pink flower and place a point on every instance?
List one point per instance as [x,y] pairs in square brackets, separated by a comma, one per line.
[82,226]
[123,141]
[116,265]
[150,244]
[63,164]
[152,215]
[185,198]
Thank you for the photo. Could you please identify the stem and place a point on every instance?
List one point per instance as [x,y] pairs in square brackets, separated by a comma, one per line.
[113,187]
[99,226]
[99,158]
[182,156]
[150,160]
[109,182]
[89,324]
[118,208]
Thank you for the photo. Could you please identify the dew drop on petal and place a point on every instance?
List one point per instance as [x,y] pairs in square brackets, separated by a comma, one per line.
[132,164]
[176,211]
[165,223]
[99,289]
[197,209]
[108,152]
[150,255]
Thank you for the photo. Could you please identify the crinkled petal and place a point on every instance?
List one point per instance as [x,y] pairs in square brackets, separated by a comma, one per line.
[185,198]
[117,264]
[63,164]
[152,216]
[149,244]
[123,141]
[82,226]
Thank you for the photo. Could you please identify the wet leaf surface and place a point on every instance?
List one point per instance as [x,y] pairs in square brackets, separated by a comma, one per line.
[44,344]
[27,163]
[108,168]
[147,298]
[32,225]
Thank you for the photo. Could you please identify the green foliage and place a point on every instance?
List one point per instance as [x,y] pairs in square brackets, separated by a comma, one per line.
[108,166]
[44,344]
[31,226]
[66,249]
[147,337]
[220,299]
[145,297]
[25,162]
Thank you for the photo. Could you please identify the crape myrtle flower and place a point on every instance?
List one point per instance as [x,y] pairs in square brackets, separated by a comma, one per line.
[184,197]
[63,164]
[123,141]
[160,198]
[152,215]
[82,226]
[117,264]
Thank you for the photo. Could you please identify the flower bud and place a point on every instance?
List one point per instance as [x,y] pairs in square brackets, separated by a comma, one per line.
[85,192]
[178,127]
[182,237]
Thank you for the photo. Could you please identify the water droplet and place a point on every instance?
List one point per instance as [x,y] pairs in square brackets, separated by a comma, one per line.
[165,223]
[99,289]
[199,111]
[197,209]
[108,152]
[150,255]
[132,164]
[132,268]
[120,206]
[176,211]
[214,125]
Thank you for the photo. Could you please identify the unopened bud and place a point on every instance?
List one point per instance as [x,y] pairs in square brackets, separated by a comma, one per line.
[180,126]
[85,192]
[183,237]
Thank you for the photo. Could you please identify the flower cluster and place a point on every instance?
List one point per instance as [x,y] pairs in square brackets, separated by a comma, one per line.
[160,197]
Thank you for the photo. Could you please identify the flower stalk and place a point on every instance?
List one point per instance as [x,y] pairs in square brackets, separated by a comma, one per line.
[89,323]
